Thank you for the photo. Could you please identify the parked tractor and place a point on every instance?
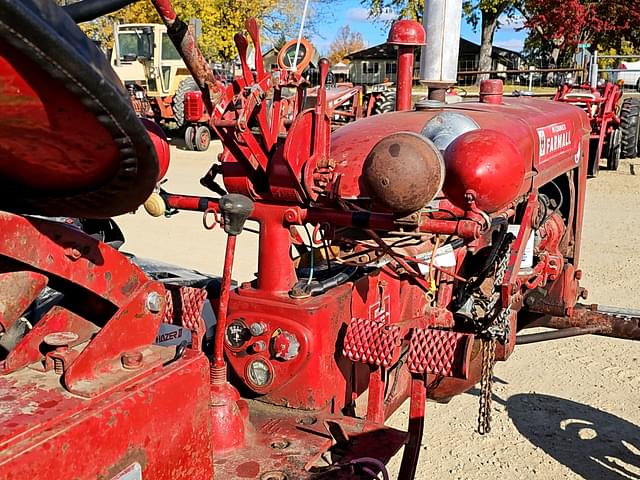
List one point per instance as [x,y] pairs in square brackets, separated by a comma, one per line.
[400,256]
[615,125]
[152,71]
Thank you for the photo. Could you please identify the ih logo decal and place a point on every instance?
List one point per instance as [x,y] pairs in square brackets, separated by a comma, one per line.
[554,139]
[381,311]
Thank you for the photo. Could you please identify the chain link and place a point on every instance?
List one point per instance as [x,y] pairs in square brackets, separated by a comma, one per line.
[486,381]
[498,329]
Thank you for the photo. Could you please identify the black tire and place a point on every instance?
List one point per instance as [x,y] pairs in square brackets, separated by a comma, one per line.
[614,149]
[202,138]
[186,85]
[630,127]
[385,103]
[594,162]
[190,137]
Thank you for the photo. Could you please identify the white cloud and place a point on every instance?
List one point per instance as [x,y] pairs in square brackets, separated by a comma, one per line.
[514,23]
[515,44]
[360,14]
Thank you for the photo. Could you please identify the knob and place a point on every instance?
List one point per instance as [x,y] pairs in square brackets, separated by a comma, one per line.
[285,346]
[235,209]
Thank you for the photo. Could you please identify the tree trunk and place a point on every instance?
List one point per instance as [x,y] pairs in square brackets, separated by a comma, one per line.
[489,25]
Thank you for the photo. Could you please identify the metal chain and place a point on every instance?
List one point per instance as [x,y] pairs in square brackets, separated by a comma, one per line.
[498,329]
[486,381]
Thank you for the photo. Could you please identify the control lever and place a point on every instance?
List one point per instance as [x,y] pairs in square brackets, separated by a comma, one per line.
[235,210]
[227,421]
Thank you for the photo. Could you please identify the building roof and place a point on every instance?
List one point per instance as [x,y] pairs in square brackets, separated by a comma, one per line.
[387,51]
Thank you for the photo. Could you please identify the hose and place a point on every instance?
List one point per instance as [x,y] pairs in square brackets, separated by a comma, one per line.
[88,10]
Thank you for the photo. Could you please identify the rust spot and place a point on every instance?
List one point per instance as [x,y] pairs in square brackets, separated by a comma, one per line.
[49,404]
[130,286]
[248,470]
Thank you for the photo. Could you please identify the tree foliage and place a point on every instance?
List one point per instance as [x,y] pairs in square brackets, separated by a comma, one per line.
[346,42]
[612,24]
[221,20]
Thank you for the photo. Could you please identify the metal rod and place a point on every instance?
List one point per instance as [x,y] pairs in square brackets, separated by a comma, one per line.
[556,334]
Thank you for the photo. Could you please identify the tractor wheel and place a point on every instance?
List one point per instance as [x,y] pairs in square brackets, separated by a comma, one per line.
[385,103]
[594,162]
[630,127]
[614,148]
[190,137]
[203,138]
[186,85]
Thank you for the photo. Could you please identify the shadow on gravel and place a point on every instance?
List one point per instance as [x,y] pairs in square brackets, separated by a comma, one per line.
[594,444]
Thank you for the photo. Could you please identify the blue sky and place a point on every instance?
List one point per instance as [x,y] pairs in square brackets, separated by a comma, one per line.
[351,12]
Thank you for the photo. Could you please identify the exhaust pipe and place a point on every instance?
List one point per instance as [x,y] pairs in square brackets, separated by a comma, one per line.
[439,58]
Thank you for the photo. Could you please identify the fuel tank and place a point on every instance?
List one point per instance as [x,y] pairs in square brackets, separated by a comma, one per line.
[515,144]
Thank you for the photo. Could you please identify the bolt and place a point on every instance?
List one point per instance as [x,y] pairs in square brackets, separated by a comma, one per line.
[72,253]
[131,360]
[259,346]
[60,339]
[306,420]
[154,302]
[280,444]
[530,300]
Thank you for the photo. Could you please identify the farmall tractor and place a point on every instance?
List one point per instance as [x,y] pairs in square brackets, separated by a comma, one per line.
[615,125]
[430,238]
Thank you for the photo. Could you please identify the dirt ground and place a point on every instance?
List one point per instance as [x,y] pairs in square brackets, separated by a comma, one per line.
[562,410]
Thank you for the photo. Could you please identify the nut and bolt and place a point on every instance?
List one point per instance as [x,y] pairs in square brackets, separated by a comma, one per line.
[280,444]
[131,360]
[154,302]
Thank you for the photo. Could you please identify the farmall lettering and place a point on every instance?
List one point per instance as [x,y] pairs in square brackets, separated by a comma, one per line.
[554,139]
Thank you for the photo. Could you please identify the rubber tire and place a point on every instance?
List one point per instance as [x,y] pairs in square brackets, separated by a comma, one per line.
[202,138]
[594,163]
[613,151]
[189,137]
[630,127]
[385,103]
[186,85]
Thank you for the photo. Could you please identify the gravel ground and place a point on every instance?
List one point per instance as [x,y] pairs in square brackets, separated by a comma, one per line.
[566,409]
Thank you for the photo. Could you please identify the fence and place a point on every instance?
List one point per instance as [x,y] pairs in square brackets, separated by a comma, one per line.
[630,76]
[525,78]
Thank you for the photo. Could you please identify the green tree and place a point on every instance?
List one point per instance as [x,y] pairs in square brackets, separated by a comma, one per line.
[346,42]
[221,20]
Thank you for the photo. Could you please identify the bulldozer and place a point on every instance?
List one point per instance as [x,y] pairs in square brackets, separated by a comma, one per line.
[152,70]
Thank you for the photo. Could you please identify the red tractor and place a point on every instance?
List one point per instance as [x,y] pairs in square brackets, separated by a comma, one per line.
[433,237]
[615,127]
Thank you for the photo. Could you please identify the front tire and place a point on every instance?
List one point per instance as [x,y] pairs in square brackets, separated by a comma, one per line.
[203,138]
[190,137]
[630,127]
[614,149]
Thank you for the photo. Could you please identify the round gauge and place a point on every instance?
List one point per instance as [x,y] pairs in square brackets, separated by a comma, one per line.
[259,373]
[287,56]
[237,334]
